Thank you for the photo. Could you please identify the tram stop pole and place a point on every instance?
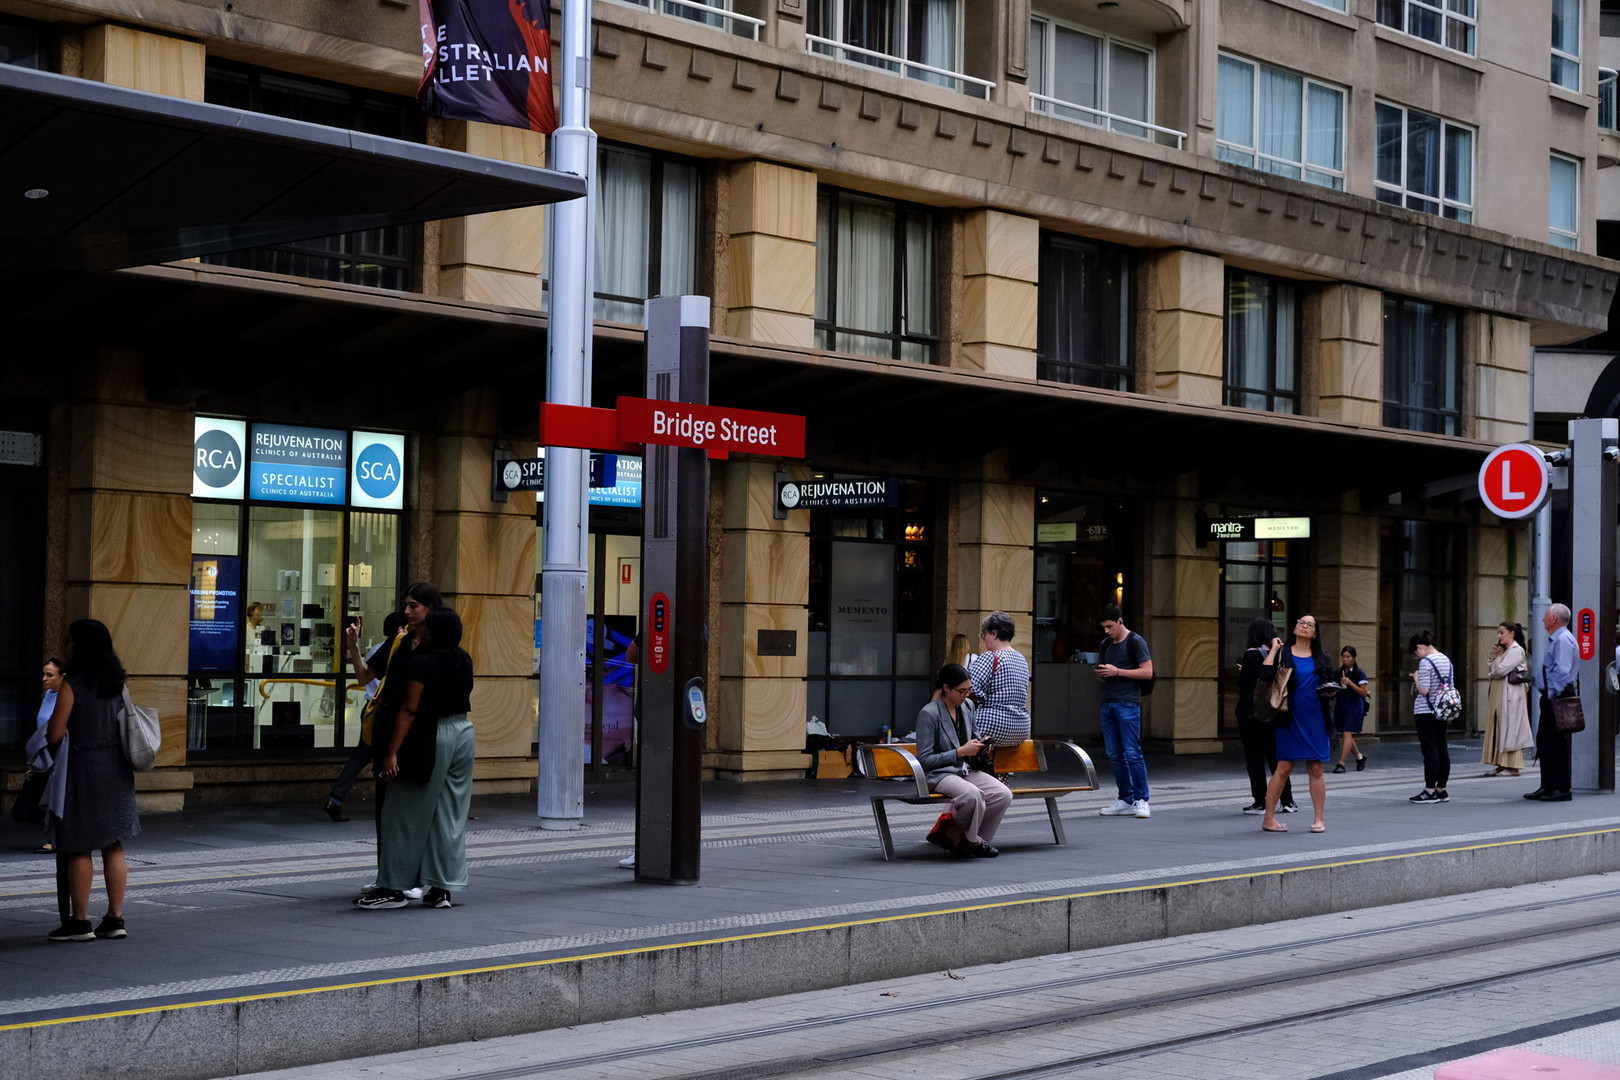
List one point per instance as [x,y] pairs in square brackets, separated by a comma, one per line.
[1594,446]
[675,605]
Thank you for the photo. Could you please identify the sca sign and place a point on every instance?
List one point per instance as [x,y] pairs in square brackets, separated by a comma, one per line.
[377,477]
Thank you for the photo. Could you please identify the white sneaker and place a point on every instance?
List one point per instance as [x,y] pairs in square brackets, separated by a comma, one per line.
[414,894]
[628,862]
[1118,808]
[1142,809]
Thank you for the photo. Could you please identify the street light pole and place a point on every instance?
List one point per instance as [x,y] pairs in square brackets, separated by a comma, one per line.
[563,567]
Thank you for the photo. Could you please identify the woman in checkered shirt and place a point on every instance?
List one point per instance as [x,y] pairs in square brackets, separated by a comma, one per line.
[1000,684]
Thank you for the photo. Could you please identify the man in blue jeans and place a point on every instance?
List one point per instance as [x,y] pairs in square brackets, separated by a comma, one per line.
[1123,665]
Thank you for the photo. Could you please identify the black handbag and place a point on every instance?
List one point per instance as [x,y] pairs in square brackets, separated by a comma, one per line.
[25,808]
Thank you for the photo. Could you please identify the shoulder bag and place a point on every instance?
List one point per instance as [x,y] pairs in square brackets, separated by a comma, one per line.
[1567,712]
[368,714]
[1271,699]
[140,733]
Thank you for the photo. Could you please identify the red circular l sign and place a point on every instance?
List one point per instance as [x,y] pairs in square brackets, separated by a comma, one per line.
[1515,481]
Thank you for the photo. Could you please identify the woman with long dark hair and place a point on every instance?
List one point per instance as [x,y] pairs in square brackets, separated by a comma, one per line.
[1259,741]
[1508,734]
[1303,734]
[1434,673]
[98,806]
[949,749]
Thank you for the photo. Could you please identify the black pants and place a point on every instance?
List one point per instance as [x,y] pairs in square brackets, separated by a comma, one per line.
[359,758]
[1552,752]
[1436,755]
[1260,755]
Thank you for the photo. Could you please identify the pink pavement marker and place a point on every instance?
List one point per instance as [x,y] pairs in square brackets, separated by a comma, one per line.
[1522,1065]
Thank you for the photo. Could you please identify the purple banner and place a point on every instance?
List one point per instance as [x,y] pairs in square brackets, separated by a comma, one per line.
[488,60]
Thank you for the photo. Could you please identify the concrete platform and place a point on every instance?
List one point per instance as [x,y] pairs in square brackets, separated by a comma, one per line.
[244,953]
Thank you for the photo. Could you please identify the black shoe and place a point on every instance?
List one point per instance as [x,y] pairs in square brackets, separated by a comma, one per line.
[1339,768]
[1424,796]
[439,898]
[1536,794]
[1361,762]
[1441,796]
[983,851]
[1556,796]
[334,810]
[963,850]
[380,899]
[73,930]
[1255,808]
[112,926]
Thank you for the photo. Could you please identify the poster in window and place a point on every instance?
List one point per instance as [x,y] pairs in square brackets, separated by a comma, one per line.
[215,611]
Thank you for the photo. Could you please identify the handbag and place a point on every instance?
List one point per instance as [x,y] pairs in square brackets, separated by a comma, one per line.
[1567,712]
[1273,703]
[1518,676]
[25,808]
[140,734]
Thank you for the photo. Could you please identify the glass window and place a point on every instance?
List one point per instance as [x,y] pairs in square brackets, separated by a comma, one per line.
[1091,78]
[876,289]
[709,14]
[1262,342]
[1449,23]
[908,37]
[646,230]
[1423,162]
[1566,44]
[382,258]
[1336,5]
[1279,121]
[21,45]
[1085,306]
[1563,202]
[1420,567]
[1422,366]
[373,592]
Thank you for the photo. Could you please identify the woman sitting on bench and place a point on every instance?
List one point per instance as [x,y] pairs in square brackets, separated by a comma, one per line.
[958,766]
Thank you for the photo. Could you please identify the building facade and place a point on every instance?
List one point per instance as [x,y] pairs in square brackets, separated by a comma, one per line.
[1074,280]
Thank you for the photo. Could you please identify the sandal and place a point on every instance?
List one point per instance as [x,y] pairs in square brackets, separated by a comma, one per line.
[1277,828]
[1318,827]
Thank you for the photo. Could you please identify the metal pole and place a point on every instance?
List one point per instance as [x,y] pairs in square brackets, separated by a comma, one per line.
[1592,540]
[1540,567]
[599,665]
[563,570]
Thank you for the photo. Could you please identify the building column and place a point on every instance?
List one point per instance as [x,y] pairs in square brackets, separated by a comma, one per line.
[1000,294]
[993,560]
[1182,626]
[129,549]
[1501,377]
[772,254]
[483,564]
[495,258]
[1187,302]
[1501,593]
[764,584]
[144,61]
[1346,544]
[1350,381]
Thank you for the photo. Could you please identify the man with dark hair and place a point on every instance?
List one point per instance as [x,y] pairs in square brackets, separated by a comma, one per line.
[1123,666]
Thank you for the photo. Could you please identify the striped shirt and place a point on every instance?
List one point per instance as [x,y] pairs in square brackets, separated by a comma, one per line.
[1436,663]
[1001,685]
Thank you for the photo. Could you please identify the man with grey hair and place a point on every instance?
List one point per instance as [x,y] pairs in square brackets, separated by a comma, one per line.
[1555,679]
[1000,684]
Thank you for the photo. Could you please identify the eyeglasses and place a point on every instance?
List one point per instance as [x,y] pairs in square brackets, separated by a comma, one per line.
[1303,622]
[966,688]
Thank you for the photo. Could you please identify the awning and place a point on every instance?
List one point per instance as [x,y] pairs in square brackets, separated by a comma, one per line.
[96,177]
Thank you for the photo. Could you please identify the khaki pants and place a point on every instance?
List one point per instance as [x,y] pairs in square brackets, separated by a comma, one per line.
[978,802]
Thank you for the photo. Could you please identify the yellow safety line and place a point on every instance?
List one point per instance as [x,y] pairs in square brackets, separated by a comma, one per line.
[668,946]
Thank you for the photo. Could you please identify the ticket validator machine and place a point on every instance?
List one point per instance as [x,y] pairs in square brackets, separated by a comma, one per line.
[674,605]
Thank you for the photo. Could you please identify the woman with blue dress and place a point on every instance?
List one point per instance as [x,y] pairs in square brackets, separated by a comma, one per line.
[1302,729]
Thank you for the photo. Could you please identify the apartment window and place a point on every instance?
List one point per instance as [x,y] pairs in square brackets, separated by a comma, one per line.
[1451,23]
[646,230]
[1422,366]
[1336,5]
[1566,43]
[1084,313]
[920,39]
[875,278]
[1424,163]
[716,13]
[1091,79]
[1262,342]
[1564,202]
[1280,122]
[378,257]
[21,45]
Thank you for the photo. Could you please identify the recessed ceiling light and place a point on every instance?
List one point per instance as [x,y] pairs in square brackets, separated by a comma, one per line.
[35,193]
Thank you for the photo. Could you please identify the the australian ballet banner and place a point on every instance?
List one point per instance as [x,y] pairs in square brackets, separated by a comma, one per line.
[488,60]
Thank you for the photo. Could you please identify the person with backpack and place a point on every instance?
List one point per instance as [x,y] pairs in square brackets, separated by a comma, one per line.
[1435,704]
[1125,668]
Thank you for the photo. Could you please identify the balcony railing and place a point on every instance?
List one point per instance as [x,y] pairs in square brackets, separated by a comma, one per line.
[705,14]
[1608,98]
[1125,125]
[911,69]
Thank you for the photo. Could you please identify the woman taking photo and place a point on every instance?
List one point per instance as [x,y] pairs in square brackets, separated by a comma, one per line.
[1302,735]
[428,763]
[948,749]
[98,806]
[1434,673]
[1259,740]
[1507,733]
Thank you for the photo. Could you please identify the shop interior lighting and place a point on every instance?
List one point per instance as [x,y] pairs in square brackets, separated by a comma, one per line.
[36,193]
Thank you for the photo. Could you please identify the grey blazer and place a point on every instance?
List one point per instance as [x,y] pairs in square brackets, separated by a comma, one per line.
[937,743]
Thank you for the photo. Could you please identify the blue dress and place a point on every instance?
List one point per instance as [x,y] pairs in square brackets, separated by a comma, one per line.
[1305,736]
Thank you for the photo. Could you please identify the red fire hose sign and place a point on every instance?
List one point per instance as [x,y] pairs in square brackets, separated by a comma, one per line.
[658,623]
[1586,633]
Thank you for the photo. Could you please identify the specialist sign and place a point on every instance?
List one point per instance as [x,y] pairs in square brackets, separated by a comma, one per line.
[715,430]
[1257,528]
[844,493]
[219,458]
[529,474]
[298,464]
[1515,480]
[377,480]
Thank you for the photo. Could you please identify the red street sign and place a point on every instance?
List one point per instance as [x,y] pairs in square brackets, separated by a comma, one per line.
[1515,481]
[715,430]
[1586,633]
[659,621]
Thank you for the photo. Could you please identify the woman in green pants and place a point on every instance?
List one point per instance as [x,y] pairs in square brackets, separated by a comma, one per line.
[428,764]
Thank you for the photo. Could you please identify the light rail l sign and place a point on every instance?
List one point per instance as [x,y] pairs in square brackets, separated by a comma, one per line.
[1515,481]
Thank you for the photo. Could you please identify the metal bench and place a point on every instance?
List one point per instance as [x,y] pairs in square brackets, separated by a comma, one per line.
[885,761]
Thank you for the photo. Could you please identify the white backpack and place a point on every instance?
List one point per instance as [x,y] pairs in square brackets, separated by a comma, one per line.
[1446,701]
[140,733]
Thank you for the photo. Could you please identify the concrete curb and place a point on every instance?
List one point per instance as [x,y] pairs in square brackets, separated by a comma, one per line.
[280,1030]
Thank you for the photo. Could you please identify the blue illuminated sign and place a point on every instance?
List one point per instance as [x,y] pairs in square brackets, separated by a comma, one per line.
[298,464]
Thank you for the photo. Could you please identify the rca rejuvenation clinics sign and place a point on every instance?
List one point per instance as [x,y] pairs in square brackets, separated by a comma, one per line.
[218,459]
[849,492]
[298,464]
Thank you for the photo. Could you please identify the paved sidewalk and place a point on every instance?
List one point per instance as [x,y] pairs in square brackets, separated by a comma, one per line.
[253,900]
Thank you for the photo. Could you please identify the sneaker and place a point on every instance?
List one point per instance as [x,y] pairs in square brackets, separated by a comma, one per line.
[414,894]
[1288,808]
[1255,808]
[1339,768]
[1441,796]
[112,926]
[439,898]
[378,899]
[1118,808]
[1361,762]
[73,930]
[1142,809]
[628,862]
[1422,797]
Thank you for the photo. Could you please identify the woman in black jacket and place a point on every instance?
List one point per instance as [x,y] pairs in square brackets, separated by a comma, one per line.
[1259,740]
